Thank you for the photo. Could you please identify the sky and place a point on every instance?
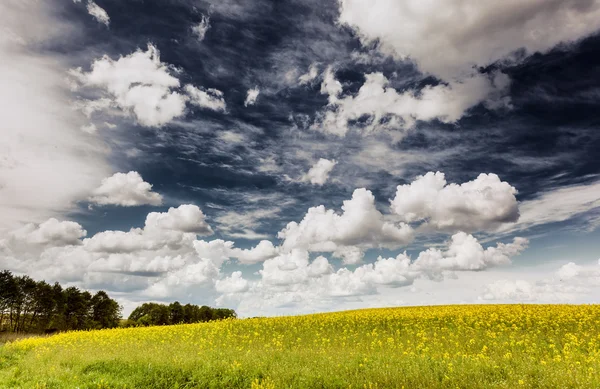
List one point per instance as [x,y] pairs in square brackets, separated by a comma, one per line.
[287,157]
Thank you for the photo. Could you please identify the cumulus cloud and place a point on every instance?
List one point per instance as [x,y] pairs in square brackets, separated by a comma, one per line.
[461,35]
[98,13]
[232,284]
[201,28]
[360,224]
[466,253]
[185,218]
[47,164]
[482,204]
[451,44]
[51,233]
[263,251]
[125,189]
[162,250]
[572,271]
[251,96]
[518,290]
[292,279]
[388,109]
[141,84]
[319,172]
[225,250]
[570,282]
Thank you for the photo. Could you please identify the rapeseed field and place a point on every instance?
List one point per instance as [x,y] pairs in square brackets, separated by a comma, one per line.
[481,346]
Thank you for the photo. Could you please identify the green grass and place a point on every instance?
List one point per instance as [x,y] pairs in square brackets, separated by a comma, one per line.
[536,346]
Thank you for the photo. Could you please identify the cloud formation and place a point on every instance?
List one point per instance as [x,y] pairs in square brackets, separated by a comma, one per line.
[313,73]
[570,281]
[211,98]
[559,205]
[460,35]
[141,84]
[388,109]
[125,189]
[47,163]
[251,96]
[291,278]
[360,225]
[318,174]
[482,204]
[98,13]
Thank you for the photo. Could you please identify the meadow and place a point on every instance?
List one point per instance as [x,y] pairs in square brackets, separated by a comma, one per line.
[481,346]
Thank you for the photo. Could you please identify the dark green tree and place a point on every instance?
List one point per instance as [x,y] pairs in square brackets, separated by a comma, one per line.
[176,314]
[106,312]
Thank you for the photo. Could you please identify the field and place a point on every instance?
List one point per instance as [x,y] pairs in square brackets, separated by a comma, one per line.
[483,346]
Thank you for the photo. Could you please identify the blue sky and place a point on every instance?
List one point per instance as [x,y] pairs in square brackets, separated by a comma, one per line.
[284,157]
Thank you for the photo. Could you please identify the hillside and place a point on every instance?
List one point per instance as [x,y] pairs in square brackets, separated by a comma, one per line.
[481,346]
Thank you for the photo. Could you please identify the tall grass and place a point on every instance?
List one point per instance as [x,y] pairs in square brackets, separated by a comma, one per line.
[493,346]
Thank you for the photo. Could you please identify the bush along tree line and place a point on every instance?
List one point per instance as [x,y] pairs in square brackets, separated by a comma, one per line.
[153,314]
[29,306]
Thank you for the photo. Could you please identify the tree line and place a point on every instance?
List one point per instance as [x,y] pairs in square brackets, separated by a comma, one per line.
[29,306]
[160,314]
[33,306]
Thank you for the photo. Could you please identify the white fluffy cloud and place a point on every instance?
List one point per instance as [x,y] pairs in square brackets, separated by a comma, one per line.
[451,43]
[143,85]
[460,34]
[162,250]
[292,279]
[518,290]
[482,204]
[386,108]
[232,284]
[185,218]
[251,96]
[224,250]
[49,233]
[125,189]
[98,13]
[360,224]
[319,172]
[569,282]
[466,253]
[201,28]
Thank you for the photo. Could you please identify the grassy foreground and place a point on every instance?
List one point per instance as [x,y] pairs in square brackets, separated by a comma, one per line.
[483,346]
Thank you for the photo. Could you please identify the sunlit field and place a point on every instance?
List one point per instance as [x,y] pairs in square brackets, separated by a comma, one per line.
[483,346]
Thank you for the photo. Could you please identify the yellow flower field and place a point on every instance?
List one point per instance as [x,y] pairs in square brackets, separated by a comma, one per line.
[481,346]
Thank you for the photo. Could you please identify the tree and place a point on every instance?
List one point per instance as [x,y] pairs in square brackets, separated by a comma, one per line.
[38,307]
[44,307]
[106,312]
[77,309]
[176,313]
[160,314]
[205,313]
[8,291]
[58,321]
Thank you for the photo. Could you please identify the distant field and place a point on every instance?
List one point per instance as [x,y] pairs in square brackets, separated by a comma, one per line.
[483,346]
